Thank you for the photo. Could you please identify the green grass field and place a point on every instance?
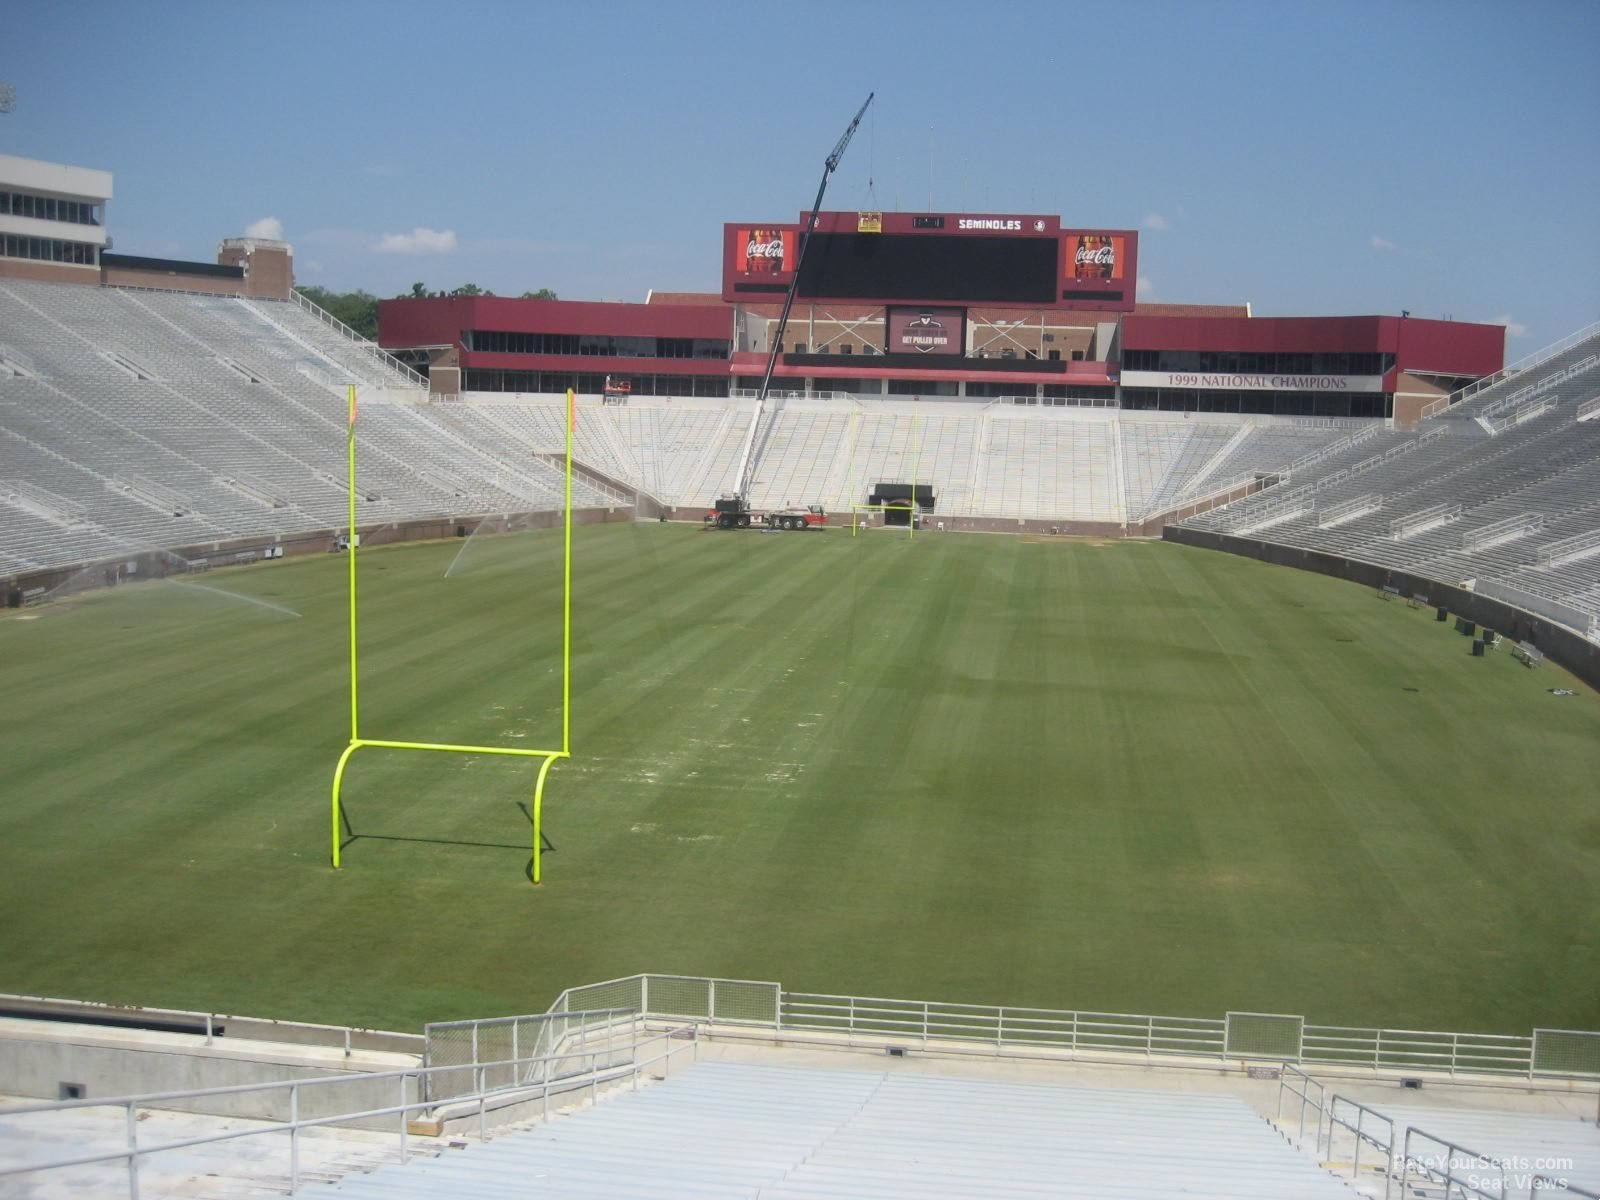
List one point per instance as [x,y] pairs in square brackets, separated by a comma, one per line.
[1128,777]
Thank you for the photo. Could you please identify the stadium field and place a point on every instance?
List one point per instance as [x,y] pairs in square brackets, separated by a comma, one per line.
[1123,777]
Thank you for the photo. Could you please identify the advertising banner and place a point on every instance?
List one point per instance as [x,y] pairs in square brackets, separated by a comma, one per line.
[1095,257]
[765,251]
[927,331]
[1231,381]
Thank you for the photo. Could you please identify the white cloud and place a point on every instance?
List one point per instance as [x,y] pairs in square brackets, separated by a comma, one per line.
[269,228]
[1155,221]
[419,241]
[1514,328]
[1381,243]
[1147,288]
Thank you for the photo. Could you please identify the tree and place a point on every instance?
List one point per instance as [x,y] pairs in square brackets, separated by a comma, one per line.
[420,291]
[357,309]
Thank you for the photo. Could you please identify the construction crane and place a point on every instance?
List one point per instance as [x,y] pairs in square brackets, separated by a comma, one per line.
[828,168]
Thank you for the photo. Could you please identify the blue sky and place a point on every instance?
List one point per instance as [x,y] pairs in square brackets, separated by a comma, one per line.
[1441,156]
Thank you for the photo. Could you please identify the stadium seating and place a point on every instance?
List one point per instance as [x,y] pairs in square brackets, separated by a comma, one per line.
[1529,1143]
[726,1129]
[1475,494]
[133,420]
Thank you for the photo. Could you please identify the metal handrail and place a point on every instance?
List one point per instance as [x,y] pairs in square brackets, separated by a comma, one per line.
[1526,363]
[1319,1106]
[134,1152]
[383,357]
[1362,1135]
[1065,1030]
[53,1008]
[1445,1170]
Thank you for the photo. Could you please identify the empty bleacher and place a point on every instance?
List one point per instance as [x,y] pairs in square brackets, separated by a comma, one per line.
[1466,497]
[166,419]
[728,1129]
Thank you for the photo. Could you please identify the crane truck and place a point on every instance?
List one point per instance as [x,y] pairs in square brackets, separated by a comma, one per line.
[731,512]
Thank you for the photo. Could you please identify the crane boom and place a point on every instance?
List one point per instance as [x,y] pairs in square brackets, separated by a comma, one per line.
[828,167]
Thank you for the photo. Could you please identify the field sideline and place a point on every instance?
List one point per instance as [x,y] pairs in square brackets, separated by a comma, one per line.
[1130,778]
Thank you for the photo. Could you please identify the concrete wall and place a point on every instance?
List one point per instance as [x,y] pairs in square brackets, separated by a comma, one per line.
[1560,644]
[48,272]
[181,559]
[171,280]
[38,1057]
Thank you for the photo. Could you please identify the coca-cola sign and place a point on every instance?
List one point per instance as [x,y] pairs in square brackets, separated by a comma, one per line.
[765,250]
[1095,257]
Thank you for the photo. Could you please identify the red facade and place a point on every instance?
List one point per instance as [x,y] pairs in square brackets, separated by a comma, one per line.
[445,320]
[1454,348]
[1171,356]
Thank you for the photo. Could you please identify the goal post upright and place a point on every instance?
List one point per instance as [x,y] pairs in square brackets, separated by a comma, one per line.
[911,510]
[548,757]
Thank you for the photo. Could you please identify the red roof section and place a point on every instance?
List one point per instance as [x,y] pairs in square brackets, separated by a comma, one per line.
[440,321]
[1191,310]
[697,298]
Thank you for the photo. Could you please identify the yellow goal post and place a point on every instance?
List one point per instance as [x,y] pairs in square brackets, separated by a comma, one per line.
[547,758]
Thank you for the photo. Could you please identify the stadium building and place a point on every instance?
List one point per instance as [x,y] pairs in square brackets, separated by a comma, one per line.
[946,306]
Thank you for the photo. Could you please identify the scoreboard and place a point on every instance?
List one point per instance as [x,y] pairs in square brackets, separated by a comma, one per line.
[924,258]
[914,267]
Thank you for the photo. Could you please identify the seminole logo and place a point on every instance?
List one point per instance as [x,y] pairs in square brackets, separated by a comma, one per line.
[925,334]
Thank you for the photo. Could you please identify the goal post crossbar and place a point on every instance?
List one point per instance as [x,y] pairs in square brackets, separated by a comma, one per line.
[911,507]
[548,757]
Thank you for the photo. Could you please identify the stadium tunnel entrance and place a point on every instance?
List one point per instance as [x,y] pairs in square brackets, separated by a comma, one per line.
[898,500]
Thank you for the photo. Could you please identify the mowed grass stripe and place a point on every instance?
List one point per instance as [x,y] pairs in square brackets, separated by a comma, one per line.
[1130,777]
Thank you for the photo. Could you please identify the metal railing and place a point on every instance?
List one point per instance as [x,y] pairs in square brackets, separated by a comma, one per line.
[379,355]
[1417,1163]
[996,1029]
[1286,473]
[859,1019]
[1401,1050]
[1438,1162]
[211,1025]
[1297,1083]
[1364,1125]
[300,1096]
[553,1040]
[1526,363]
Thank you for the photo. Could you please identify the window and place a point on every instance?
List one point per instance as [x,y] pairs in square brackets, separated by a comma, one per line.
[49,208]
[48,250]
[924,387]
[498,341]
[1055,355]
[846,348]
